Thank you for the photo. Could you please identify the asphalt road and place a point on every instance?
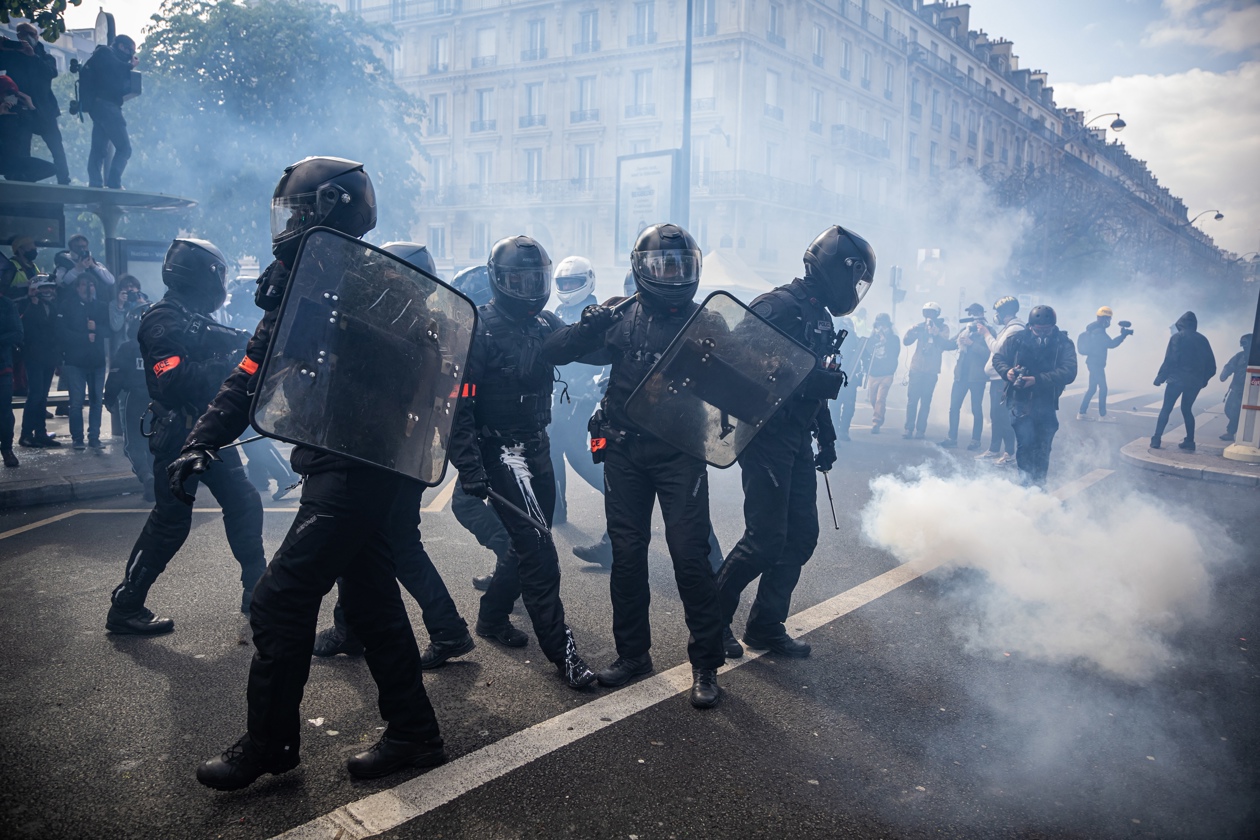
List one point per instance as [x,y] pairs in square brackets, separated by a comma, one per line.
[896,727]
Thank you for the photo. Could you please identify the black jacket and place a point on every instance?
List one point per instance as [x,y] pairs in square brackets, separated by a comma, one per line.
[1188,361]
[508,384]
[33,75]
[1052,362]
[126,373]
[972,357]
[105,77]
[82,347]
[10,333]
[181,371]
[41,345]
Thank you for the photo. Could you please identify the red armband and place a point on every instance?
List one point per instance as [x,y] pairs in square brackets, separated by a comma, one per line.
[248,365]
[169,363]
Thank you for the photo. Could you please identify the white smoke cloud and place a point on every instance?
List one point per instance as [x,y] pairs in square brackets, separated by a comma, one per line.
[1104,582]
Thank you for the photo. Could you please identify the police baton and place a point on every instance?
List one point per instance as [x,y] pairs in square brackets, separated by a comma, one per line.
[827,484]
[538,526]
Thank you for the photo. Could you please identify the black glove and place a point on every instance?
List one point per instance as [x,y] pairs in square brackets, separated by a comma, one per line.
[476,486]
[193,460]
[271,285]
[597,318]
[826,457]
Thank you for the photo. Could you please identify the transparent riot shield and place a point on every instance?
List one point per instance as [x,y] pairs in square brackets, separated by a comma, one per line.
[719,381]
[367,358]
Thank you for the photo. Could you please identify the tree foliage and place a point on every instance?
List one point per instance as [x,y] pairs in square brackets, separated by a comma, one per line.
[47,15]
[234,93]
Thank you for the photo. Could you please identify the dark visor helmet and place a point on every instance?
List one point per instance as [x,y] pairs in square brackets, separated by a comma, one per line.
[412,253]
[840,265]
[320,192]
[520,276]
[666,263]
[196,271]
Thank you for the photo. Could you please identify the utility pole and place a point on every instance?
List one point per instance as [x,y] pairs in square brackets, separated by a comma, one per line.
[684,165]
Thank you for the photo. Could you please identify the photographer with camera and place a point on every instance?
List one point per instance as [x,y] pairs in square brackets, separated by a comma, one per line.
[127,298]
[77,262]
[104,81]
[970,376]
[1002,435]
[1093,344]
[933,339]
[1037,364]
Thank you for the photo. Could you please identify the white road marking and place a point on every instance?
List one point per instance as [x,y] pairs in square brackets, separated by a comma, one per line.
[40,523]
[440,500]
[391,808]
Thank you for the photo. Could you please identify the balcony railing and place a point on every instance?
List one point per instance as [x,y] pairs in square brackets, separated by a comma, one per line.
[484,60]
[642,109]
[576,190]
[972,138]
[913,165]
[534,55]
[845,73]
[916,110]
[640,39]
[774,112]
[818,60]
[708,103]
[866,83]
[704,30]
[588,115]
[776,39]
[888,94]
[815,127]
[955,131]
[437,129]
[937,121]
[532,120]
[481,125]
[584,47]
[439,67]
[988,148]
[848,137]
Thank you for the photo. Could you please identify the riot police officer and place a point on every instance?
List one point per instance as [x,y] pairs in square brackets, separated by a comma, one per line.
[186,355]
[448,632]
[351,518]
[777,466]
[640,468]
[499,442]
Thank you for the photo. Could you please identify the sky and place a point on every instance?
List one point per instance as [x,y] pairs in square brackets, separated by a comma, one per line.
[1185,74]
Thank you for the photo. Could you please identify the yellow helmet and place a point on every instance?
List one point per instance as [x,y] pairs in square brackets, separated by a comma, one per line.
[1104,312]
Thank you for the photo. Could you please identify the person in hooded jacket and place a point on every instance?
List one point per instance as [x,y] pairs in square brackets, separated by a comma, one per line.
[185,356]
[1188,367]
[1094,344]
[1039,363]
[1235,371]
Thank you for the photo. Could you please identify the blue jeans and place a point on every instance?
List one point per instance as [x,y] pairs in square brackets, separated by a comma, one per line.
[1034,436]
[76,380]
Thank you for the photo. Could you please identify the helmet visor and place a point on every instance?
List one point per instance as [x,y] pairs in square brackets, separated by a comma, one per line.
[667,268]
[293,215]
[524,283]
[571,282]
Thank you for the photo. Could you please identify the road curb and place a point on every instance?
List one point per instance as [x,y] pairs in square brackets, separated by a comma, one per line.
[1139,454]
[19,494]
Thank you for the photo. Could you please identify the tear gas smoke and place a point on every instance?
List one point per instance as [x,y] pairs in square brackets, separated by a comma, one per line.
[1082,581]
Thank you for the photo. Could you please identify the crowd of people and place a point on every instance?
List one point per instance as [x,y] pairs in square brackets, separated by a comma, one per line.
[29,109]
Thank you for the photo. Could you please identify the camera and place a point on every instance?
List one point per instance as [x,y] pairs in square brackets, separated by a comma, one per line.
[1126,327]
[1020,372]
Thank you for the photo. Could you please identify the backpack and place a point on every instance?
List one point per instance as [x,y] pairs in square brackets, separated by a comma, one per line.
[1085,342]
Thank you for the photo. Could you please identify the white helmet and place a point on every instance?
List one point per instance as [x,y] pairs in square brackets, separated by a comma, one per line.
[933,306]
[574,279]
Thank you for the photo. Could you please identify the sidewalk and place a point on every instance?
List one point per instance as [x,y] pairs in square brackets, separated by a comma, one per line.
[49,476]
[1206,462]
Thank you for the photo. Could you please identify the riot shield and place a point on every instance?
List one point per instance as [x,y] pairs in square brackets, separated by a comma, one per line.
[367,358]
[725,374]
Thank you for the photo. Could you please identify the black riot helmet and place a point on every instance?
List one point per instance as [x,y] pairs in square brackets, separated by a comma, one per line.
[666,262]
[839,267]
[474,284]
[413,253]
[196,272]
[320,192]
[520,276]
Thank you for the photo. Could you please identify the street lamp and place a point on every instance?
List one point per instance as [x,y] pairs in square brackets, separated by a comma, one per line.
[1116,125]
[1219,215]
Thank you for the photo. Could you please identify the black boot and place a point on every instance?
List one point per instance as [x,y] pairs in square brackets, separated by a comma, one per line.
[243,762]
[505,634]
[625,669]
[574,668]
[1187,445]
[704,688]
[732,648]
[438,652]
[127,613]
[482,582]
[600,553]
[782,644]
[335,640]
[10,460]
[390,755]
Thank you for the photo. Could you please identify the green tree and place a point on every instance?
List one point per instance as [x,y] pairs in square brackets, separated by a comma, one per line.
[48,15]
[235,93]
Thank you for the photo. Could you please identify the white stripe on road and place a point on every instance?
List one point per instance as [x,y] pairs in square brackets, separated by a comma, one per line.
[440,500]
[50,520]
[391,808]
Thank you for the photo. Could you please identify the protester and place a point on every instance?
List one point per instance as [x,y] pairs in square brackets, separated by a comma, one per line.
[933,339]
[1093,344]
[1003,434]
[1235,371]
[970,376]
[878,360]
[10,338]
[1188,367]
[81,324]
[33,69]
[41,353]
[103,83]
[16,163]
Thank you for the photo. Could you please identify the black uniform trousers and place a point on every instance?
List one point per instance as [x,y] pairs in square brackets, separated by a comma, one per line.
[637,472]
[1034,436]
[521,473]
[348,525]
[7,420]
[170,521]
[415,571]
[919,400]
[957,395]
[780,528]
[38,382]
[480,520]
